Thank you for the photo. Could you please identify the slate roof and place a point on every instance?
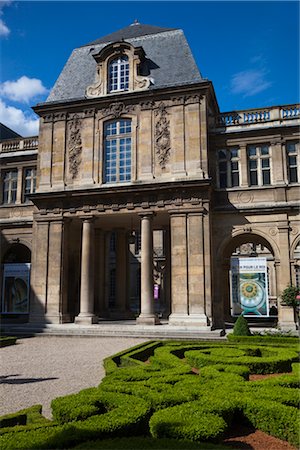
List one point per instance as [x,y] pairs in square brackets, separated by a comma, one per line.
[7,133]
[169,57]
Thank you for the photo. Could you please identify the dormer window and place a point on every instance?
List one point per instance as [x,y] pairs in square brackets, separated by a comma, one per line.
[119,70]
[119,74]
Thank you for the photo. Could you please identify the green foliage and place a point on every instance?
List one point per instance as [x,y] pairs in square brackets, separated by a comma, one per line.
[147,443]
[7,340]
[264,339]
[288,296]
[169,397]
[241,327]
[271,360]
[32,415]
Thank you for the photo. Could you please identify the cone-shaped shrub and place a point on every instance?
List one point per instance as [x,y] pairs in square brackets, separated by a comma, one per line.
[241,327]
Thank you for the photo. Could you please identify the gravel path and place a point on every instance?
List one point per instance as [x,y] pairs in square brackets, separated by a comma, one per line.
[38,369]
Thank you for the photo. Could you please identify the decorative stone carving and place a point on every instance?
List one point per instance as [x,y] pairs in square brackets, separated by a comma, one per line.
[96,89]
[192,99]
[162,135]
[74,145]
[117,109]
[59,117]
[245,197]
[273,231]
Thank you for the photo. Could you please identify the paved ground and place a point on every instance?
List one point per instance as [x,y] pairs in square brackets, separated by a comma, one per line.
[38,369]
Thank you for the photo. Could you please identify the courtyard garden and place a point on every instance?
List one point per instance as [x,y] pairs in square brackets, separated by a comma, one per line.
[173,395]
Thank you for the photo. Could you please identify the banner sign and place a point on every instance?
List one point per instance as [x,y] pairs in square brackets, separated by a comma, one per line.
[249,287]
[15,293]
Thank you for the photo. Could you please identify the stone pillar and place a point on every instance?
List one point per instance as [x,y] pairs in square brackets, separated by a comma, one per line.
[86,315]
[243,165]
[188,281]
[285,314]
[49,272]
[147,316]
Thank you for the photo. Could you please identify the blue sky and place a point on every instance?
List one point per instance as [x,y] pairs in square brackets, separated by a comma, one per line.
[249,50]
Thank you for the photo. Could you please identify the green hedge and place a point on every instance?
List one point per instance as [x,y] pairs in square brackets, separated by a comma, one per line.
[170,398]
[273,418]
[147,443]
[196,421]
[28,416]
[7,340]
[271,360]
[263,339]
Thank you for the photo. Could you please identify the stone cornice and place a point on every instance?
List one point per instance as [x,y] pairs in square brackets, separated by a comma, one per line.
[199,89]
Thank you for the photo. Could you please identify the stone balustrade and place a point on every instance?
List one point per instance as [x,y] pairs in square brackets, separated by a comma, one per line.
[19,144]
[277,114]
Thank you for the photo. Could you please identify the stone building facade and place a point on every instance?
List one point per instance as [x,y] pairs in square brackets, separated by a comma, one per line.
[138,191]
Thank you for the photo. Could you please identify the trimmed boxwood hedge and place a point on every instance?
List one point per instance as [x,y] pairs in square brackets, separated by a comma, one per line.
[272,360]
[168,396]
[7,340]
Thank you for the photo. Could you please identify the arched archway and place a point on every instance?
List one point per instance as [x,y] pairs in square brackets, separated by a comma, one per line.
[15,285]
[242,285]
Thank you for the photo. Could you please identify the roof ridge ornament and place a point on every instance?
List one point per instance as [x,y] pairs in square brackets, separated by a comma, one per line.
[136,22]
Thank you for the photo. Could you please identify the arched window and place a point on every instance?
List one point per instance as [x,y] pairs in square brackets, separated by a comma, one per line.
[117,148]
[118,74]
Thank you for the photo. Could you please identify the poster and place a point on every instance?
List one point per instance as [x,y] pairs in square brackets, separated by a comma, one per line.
[16,283]
[249,287]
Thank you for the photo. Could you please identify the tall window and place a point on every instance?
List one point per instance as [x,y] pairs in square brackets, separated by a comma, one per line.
[228,160]
[117,136]
[259,165]
[292,166]
[119,74]
[10,178]
[29,182]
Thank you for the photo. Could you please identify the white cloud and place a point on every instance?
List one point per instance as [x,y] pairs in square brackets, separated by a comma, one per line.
[22,90]
[249,82]
[23,123]
[4,30]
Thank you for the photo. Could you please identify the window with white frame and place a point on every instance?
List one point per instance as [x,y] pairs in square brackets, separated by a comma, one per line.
[10,182]
[117,148]
[29,182]
[118,73]
[228,165]
[292,156]
[259,168]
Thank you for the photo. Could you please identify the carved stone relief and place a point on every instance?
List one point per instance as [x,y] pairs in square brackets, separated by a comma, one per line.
[74,145]
[117,109]
[162,135]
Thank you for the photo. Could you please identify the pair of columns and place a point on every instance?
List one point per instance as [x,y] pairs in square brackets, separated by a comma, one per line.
[86,315]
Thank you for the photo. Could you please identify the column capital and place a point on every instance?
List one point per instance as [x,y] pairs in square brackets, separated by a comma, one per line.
[88,218]
[149,214]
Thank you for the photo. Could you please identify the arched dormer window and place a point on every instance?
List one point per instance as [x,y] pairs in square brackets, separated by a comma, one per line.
[118,73]
[118,70]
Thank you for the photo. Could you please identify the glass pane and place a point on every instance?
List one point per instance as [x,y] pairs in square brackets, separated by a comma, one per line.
[235,179]
[265,162]
[266,177]
[253,164]
[293,176]
[253,178]
[251,150]
[234,152]
[223,166]
[234,166]
[292,160]
[265,150]
[291,147]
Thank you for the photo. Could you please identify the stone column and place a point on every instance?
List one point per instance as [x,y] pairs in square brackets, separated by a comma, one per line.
[147,316]
[86,315]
